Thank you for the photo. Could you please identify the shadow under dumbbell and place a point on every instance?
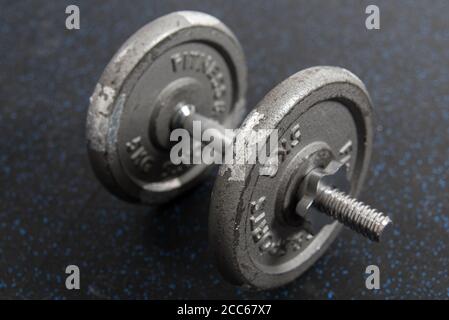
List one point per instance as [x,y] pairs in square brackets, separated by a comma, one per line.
[182,222]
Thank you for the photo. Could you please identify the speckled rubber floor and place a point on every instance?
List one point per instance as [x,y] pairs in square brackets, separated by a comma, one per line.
[54,213]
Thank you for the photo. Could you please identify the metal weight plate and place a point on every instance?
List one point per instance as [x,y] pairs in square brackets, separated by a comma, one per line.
[321,114]
[184,57]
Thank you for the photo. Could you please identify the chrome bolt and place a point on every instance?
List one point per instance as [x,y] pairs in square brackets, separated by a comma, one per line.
[352,213]
[338,205]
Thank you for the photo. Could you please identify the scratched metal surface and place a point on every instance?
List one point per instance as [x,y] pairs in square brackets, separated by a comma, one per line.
[54,213]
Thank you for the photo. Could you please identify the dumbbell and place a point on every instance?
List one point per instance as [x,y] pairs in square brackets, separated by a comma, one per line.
[266,222]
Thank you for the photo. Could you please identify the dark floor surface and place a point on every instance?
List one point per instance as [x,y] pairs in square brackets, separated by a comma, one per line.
[53,212]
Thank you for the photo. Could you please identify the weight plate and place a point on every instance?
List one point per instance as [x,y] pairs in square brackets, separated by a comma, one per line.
[321,114]
[187,57]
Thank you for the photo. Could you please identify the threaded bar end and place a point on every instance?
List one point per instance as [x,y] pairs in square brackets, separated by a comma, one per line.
[352,213]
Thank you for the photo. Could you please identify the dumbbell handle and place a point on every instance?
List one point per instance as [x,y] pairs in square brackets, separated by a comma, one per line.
[352,213]
[185,116]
